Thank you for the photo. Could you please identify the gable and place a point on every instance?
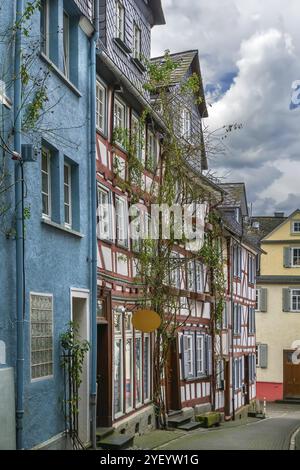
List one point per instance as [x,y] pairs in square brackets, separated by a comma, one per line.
[284,230]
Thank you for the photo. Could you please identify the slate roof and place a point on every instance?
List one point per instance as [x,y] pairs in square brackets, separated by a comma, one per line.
[185,61]
[157,9]
[235,196]
[266,225]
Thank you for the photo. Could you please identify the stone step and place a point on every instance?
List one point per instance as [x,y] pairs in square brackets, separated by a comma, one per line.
[101,433]
[116,442]
[189,426]
[174,413]
[178,420]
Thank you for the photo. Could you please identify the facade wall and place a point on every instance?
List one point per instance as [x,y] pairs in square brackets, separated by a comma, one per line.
[53,253]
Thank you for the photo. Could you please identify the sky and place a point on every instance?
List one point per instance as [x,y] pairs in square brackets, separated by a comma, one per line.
[250,56]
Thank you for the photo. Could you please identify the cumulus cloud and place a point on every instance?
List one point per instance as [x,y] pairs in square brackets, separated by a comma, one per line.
[249,56]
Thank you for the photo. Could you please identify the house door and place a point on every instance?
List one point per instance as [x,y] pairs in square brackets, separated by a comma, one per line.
[246,391]
[104,361]
[173,377]
[291,376]
[227,388]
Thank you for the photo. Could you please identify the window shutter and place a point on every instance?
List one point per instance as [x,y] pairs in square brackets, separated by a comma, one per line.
[209,355]
[286,300]
[263,307]
[185,346]
[287,257]
[263,354]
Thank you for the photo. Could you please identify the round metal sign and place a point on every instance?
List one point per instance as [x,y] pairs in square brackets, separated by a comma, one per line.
[146,321]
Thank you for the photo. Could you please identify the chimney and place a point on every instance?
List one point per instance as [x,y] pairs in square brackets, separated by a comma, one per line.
[279,215]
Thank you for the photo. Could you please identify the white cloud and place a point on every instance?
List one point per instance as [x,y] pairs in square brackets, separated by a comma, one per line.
[258,42]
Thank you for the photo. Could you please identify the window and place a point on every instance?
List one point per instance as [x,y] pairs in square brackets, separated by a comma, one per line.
[101,107]
[262,355]
[237,261]
[136,42]
[147,368]
[200,355]
[188,350]
[257,300]
[174,271]
[138,369]
[199,277]
[118,365]
[220,374]
[186,123]
[121,221]
[120,21]
[296,227]
[191,276]
[129,371]
[66,44]
[238,373]
[295,294]
[136,136]
[46,183]
[120,123]
[45,27]
[151,151]
[225,316]
[252,367]
[251,320]
[296,257]
[104,214]
[41,329]
[237,319]
[68,195]
[251,269]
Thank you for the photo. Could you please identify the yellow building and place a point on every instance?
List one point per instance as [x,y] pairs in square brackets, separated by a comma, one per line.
[278,307]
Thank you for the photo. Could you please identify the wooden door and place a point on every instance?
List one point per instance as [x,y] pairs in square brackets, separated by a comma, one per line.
[247,391]
[173,378]
[291,376]
[104,364]
[227,388]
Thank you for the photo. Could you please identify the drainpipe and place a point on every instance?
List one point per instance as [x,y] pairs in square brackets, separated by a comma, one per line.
[19,229]
[93,71]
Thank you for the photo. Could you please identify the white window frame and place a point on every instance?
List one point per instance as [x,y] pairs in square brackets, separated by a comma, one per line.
[66,43]
[101,118]
[120,21]
[118,336]
[152,149]
[292,303]
[191,349]
[136,127]
[45,46]
[120,122]
[294,223]
[122,222]
[45,377]
[199,277]
[292,261]
[200,355]
[237,314]
[138,336]
[107,192]
[129,337]
[69,187]
[137,42]
[258,299]
[46,152]
[225,319]
[190,275]
[251,322]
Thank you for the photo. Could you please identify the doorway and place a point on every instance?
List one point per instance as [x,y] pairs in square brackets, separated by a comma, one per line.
[291,376]
[173,377]
[80,316]
[104,360]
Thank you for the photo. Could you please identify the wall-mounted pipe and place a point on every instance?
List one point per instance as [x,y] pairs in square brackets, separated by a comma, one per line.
[19,227]
[93,71]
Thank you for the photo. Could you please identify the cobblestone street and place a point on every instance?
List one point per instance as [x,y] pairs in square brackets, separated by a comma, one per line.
[272,433]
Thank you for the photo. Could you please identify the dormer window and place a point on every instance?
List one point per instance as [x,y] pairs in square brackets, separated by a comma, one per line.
[136,42]
[120,21]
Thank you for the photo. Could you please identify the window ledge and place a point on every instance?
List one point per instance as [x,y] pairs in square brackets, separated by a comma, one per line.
[69,231]
[121,45]
[59,73]
[138,64]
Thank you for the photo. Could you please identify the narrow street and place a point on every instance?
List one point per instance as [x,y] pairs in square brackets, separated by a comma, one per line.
[273,433]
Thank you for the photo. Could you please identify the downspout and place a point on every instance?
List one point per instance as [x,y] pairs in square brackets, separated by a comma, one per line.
[19,227]
[93,70]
